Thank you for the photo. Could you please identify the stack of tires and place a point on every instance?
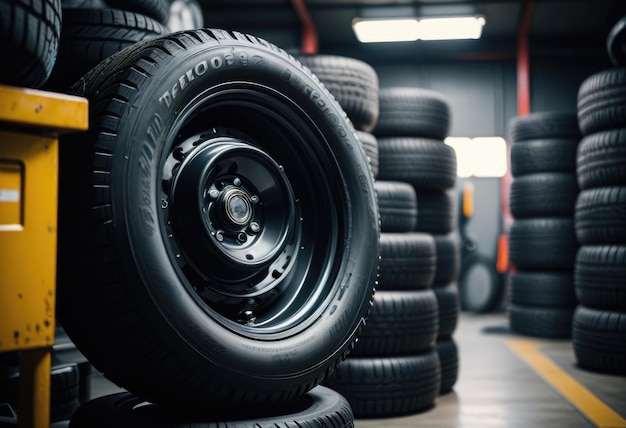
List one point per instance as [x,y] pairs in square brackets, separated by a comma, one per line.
[218,229]
[412,125]
[354,84]
[542,241]
[29,33]
[599,326]
[395,368]
[93,30]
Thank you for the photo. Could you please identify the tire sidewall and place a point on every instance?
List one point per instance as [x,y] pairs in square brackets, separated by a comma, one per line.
[173,307]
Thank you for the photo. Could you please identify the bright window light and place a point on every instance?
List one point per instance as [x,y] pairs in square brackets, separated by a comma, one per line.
[407,30]
[479,157]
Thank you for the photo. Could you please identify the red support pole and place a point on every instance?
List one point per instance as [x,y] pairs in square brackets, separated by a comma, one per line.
[309,34]
[523,75]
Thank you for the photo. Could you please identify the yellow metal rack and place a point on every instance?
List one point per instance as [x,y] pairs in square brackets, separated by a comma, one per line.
[30,123]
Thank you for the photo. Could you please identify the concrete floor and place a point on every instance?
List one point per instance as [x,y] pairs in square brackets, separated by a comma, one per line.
[497,388]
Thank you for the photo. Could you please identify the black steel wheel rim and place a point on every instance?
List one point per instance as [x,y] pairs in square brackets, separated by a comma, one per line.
[254,210]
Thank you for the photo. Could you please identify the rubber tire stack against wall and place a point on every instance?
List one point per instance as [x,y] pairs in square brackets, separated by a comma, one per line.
[599,325]
[93,30]
[542,240]
[412,125]
[400,353]
[354,84]
[31,30]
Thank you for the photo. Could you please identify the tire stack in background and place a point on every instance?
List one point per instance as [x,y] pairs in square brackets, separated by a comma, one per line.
[599,325]
[354,84]
[93,30]
[542,241]
[411,128]
[31,31]
[395,368]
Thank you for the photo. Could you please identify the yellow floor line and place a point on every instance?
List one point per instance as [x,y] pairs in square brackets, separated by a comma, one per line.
[587,403]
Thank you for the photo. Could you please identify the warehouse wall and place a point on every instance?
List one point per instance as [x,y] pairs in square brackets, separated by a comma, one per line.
[483,94]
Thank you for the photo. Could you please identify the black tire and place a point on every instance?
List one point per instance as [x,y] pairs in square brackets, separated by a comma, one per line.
[407,261]
[370,144]
[537,288]
[542,125]
[601,216]
[220,317]
[158,10]
[437,212]
[424,163]
[599,276]
[185,15]
[480,287]
[397,204]
[449,308]
[89,36]
[448,258]
[538,321]
[543,195]
[602,101]
[399,323]
[320,407]
[412,112]
[449,358]
[601,158]
[352,82]
[543,155]
[31,30]
[543,243]
[599,339]
[390,386]
[155,9]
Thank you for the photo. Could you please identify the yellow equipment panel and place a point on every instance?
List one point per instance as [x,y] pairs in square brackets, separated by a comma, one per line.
[27,240]
[30,121]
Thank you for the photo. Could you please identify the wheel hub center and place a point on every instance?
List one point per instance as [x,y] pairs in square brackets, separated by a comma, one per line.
[238,207]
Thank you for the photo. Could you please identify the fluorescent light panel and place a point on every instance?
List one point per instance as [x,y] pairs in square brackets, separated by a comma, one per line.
[407,30]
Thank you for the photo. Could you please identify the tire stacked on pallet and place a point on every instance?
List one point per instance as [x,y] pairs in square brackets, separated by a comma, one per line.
[542,239]
[93,30]
[412,125]
[599,326]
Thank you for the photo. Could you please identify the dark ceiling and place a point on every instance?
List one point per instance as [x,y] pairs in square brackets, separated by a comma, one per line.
[556,27]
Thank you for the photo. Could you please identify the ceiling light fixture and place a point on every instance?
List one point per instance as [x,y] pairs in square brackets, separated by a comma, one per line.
[406,30]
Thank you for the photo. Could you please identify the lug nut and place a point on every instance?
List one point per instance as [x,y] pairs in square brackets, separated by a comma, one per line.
[237,181]
[219,235]
[254,199]
[242,237]
[250,318]
[254,227]
[214,193]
